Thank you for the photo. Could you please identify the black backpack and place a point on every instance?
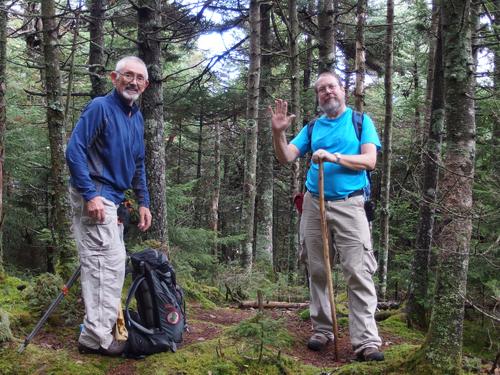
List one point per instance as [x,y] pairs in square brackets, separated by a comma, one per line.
[160,320]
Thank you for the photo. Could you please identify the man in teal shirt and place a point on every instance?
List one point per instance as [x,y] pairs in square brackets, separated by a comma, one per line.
[346,159]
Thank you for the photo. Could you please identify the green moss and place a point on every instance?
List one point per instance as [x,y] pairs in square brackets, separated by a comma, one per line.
[394,363]
[419,363]
[305,314]
[208,296]
[48,361]
[5,332]
[11,298]
[396,324]
[223,357]
[343,322]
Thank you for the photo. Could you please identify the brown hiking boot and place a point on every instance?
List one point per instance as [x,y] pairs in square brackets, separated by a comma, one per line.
[370,354]
[318,342]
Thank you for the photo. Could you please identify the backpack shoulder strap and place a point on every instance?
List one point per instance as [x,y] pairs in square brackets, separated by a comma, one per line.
[131,293]
[310,126]
[357,122]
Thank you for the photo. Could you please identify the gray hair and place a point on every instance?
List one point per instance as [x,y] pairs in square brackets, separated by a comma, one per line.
[123,61]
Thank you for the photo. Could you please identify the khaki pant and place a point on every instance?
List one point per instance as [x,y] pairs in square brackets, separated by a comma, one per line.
[102,257]
[349,234]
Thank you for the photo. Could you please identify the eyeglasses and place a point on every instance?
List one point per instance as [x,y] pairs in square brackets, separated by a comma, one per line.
[129,77]
[322,89]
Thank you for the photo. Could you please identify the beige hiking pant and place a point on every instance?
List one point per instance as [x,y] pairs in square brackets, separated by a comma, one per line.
[102,257]
[349,234]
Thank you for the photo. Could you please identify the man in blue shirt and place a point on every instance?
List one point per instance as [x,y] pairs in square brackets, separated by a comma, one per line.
[346,159]
[105,156]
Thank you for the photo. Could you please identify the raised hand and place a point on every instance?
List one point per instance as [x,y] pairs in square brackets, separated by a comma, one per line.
[279,118]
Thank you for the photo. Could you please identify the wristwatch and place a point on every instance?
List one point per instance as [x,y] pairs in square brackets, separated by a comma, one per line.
[337,156]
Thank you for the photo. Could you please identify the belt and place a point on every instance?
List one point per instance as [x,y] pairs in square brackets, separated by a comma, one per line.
[355,193]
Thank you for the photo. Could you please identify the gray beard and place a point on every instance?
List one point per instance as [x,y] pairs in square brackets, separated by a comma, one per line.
[331,107]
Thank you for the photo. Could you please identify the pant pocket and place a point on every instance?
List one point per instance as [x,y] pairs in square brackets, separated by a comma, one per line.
[369,262]
[97,235]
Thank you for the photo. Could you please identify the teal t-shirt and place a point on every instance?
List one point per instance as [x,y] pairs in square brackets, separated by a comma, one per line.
[336,135]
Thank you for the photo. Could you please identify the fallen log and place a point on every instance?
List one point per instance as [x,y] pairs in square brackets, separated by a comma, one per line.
[273,305]
[389,305]
[301,305]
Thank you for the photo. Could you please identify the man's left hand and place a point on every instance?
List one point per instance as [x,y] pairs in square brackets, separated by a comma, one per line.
[144,219]
[323,155]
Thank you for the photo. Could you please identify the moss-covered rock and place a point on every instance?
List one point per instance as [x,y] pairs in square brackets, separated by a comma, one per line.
[5,332]
[209,297]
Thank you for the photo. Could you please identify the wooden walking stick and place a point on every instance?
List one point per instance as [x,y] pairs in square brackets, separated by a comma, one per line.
[326,256]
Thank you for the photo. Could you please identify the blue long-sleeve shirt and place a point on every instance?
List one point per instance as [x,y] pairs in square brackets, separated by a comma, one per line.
[105,153]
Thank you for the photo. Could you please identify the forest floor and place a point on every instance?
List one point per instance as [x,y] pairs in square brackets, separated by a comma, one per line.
[51,347]
[222,339]
[209,324]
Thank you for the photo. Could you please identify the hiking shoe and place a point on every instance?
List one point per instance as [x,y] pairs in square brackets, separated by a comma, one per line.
[82,349]
[318,342]
[115,349]
[370,354]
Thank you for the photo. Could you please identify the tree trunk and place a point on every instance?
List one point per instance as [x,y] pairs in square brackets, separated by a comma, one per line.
[199,193]
[265,175]
[97,59]
[387,152]
[3,114]
[360,54]
[200,142]
[430,67]
[309,52]
[416,88]
[248,209]
[179,154]
[149,37]
[417,310]
[495,139]
[57,140]
[326,35]
[214,206]
[442,350]
[295,108]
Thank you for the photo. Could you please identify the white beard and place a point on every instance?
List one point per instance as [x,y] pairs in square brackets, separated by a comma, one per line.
[128,96]
[331,107]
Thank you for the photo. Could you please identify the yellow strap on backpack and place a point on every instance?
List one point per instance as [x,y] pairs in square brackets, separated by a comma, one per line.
[121,333]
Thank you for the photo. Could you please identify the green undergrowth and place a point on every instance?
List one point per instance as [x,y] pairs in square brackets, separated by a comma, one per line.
[251,347]
[481,338]
[223,356]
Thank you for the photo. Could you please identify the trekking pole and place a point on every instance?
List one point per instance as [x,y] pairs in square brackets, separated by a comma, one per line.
[326,256]
[50,310]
